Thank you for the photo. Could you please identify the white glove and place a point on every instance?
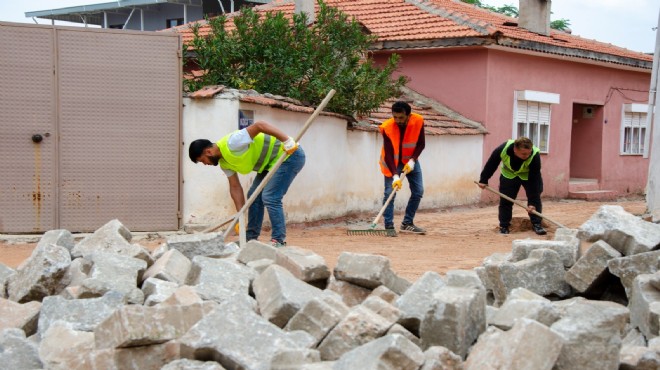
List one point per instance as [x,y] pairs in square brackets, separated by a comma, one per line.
[396,183]
[409,166]
[290,146]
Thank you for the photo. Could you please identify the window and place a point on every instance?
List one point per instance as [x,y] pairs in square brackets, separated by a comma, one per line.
[633,129]
[532,116]
[173,22]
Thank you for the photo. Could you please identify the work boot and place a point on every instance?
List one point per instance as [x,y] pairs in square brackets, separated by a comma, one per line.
[538,229]
[411,228]
[504,230]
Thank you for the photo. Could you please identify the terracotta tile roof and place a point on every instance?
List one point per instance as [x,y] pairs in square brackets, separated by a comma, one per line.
[404,24]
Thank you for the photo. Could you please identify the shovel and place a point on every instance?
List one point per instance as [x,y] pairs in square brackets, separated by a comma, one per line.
[372,229]
[519,203]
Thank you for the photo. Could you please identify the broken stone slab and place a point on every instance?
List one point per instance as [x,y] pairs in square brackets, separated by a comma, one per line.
[260,265]
[184,295]
[627,268]
[565,234]
[368,271]
[385,294]
[158,252]
[417,300]
[522,303]
[591,267]
[528,345]
[220,280]
[18,352]
[591,331]
[351,294]
[82,314]
[464,279]
[382,308]
[114,272]
[134,325]
[60,237]
[455,319]
[542,273]
[78,271]
[489,274]
[318,316]
[61,342]
[171,266]
[20,316]
[143,357]
[638,358]
[156,291]
[236,338]
[5,273]
[202,244]
[569,251]
[113,237]
[440,358]
[289,359]
[389,352]
[303,264]
[398,329]
[634,338]
[358,327]
[645,304]
[40,275]
[186,364]
[280,294]
[255,250]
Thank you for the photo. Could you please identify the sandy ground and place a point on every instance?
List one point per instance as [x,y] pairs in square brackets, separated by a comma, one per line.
[457,238]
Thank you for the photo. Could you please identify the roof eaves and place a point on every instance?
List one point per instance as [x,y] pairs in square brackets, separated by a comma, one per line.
[434,43]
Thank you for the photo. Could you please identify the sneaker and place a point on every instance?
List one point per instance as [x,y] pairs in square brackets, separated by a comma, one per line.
[504,230]
[392,231]
[411,228]
[277,244]
[538,229]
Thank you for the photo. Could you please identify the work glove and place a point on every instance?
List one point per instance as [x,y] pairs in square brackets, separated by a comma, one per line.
[237,228]
[396,183]
[290,146]
[409,166]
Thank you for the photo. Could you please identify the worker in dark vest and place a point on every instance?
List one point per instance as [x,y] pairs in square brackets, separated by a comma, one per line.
[521,166]
[403,142]
[255,148]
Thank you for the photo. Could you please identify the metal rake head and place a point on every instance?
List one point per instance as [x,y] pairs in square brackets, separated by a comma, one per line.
[373,232]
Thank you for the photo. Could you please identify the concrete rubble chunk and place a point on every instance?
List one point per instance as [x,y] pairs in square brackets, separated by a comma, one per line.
[143,357]
[280,294]
[255,250]
[368,271]
[638,358]
[5,273]
[184,295]
[60,237]
[490,275]
[303,264]
[385,294]
[20,316]
[78,271]
[566,234]
[542,273]
[114,272]
[645,305]
[217,279]
[318,316]
[134,325]
[113,237]
[40,275]
[440,358]
[591,331]
[171,266]
[156,291]
[627,268]
[464,279]
[289,359]
[18,352]
[203,244]
[455,319]
[383,308]
[522,303]
[351,294]
[634,338]
[61,344]
[158,252]
[398,329]
[358,327]
[569,251]
[261,265]
[591,267]
[236,338]
[391,352]
[83,314]
[528,345]
[417,300]
[186,364]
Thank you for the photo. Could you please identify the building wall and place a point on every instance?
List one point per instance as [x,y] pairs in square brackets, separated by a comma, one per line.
[341,175]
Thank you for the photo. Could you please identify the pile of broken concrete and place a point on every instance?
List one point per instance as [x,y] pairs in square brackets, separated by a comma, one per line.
[198,303]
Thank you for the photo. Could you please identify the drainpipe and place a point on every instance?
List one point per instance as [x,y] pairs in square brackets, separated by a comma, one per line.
[653,181]
[534,15]
[185,13]
[307,7]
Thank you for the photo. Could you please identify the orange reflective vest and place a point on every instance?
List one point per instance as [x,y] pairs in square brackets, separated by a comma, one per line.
[391,129]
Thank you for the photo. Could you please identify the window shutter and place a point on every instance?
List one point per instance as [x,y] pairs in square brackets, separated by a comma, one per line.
[544,114]
[522,111]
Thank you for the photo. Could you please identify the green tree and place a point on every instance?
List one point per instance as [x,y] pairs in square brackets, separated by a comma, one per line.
[512,11]
[287,57]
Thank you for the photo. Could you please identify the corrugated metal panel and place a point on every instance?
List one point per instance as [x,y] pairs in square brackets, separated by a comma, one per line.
[119,103]
[27,107]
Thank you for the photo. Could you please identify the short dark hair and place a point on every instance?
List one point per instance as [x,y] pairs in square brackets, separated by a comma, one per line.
[401,107]
[197,147]
[523,143]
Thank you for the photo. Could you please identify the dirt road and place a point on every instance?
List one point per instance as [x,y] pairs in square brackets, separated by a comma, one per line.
[458,238]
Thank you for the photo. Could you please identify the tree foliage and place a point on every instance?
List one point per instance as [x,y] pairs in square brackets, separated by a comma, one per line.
[270,53]
[512,11]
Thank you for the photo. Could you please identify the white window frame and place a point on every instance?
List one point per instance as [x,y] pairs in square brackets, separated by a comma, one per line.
[533,109]
[634,125]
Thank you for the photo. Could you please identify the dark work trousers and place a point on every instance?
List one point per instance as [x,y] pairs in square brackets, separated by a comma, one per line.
[510,187]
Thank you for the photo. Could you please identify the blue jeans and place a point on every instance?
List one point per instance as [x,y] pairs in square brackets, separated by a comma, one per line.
[271,197]
[416,183]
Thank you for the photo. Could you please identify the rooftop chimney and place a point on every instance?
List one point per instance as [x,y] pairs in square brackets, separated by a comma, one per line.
[306,6]
[534,15]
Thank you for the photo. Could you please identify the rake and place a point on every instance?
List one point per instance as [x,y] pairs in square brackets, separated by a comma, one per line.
[372,229]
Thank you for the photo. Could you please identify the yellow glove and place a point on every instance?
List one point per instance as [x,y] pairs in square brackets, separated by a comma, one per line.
[409,166]
[396,183]
[237,228]
[290,146]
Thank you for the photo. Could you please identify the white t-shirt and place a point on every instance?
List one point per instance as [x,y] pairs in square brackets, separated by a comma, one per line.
[238,143]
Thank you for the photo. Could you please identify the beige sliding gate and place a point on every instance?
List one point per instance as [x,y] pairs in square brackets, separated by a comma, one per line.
[89,128]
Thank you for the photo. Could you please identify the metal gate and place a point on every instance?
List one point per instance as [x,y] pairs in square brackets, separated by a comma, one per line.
[89,128]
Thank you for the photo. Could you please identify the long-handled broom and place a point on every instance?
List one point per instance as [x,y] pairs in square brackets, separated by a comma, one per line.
[372,229]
